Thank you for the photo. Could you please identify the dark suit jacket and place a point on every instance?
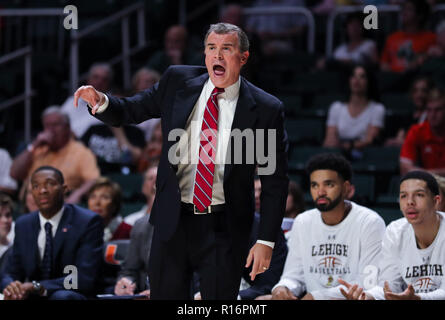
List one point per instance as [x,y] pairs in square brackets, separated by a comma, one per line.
[173,99]
[78,241]
[264,282]
[135,265]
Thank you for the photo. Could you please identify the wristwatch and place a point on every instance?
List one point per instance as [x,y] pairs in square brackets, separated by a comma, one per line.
[37,287]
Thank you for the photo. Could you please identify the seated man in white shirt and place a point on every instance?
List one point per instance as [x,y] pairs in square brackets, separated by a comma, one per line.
[413,250]
[336,240]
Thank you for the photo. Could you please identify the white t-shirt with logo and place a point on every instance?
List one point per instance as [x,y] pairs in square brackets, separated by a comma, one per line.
[320,254]
[403,263]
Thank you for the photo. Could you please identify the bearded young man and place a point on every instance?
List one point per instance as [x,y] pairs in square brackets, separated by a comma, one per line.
[336,240]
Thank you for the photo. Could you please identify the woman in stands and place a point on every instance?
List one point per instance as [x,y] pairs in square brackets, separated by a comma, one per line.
[105,198]
[357,49]
[356,123]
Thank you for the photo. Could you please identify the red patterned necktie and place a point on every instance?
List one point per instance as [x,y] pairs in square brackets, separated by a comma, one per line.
[202,193]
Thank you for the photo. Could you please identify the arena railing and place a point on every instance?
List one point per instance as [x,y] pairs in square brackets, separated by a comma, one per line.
[123,16]
[341,10]
[289,10]
[25,52]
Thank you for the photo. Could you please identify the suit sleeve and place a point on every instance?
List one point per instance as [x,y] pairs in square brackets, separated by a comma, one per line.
[88,260]
[144,105]
[274,186]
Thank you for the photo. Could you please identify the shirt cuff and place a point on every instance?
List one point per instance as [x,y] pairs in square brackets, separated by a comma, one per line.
[103,107]
[267,243]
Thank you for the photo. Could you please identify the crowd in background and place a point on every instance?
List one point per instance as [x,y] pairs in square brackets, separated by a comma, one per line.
[88,152]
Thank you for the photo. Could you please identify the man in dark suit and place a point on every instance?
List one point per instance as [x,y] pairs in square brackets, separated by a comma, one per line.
[204,206]
[49,240]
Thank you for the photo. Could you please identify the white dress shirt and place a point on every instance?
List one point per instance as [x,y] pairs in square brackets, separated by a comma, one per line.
[41,240]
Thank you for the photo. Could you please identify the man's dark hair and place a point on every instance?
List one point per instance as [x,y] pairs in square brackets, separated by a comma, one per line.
[372,91]
[431,182]
[330,161]
[59,174]
[225,28]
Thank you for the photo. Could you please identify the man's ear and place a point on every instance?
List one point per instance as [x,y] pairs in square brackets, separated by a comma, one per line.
[65,189]
[244,57]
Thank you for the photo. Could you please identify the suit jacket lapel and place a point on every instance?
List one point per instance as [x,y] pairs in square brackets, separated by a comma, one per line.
[186,99]
[245,117]
[62,230]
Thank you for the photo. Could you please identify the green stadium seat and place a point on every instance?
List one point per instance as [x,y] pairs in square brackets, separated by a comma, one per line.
[364,188]
[388,214]
[301,155]
[131,184]
[398,104]
[380,159]
[391,196]
[131,207]
[305,131]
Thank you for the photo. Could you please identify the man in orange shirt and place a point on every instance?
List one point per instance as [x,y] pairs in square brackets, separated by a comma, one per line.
[56,147]
[405,49]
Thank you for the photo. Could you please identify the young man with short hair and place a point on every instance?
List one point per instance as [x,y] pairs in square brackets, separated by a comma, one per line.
[413,251]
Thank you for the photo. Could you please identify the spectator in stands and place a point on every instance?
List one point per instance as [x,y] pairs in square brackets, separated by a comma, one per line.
[294,206]
[441,182]
[100,75]
[152,151]
[28,202]
[48,240]
[406,49]
[424,146]
[55,146]
[149,191]
[419,94]
[144,79]
[134,274]
[356,123]
[338,234]
[176,51]
[6,228]
[356,49]
[438,50]
[412,262]
[105,198]
[115,148]
[7,183]
[233,14]
[277,32]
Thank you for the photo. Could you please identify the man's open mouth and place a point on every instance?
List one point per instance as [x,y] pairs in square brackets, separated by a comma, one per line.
[219,70]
